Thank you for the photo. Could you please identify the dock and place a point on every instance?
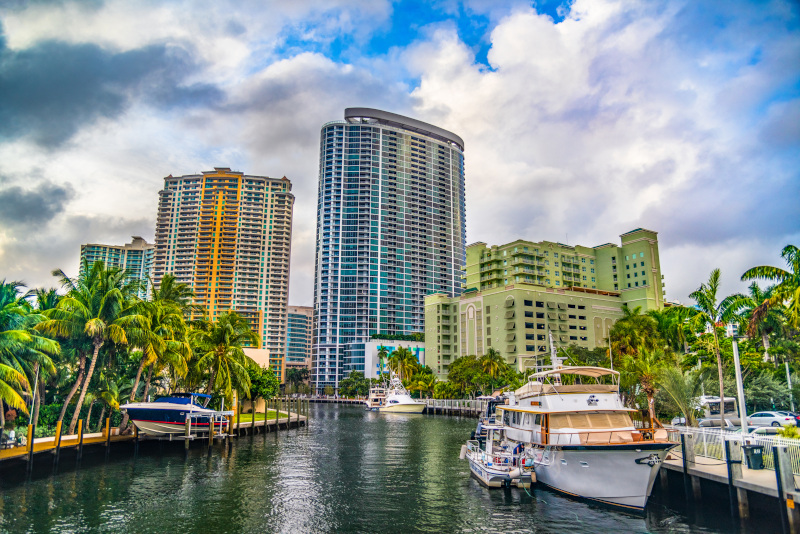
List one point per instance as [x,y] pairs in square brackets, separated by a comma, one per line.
[465,407]
[288,413]
[705,456]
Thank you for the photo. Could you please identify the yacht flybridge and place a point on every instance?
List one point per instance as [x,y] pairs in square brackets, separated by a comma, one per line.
[573,431]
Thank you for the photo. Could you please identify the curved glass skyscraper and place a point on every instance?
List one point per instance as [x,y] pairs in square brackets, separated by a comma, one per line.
[390,230]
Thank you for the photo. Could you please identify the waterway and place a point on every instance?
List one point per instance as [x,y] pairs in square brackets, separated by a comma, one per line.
[348,471]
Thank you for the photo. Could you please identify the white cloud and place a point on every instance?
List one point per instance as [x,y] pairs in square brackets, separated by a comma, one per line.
[603,123]
[622,115]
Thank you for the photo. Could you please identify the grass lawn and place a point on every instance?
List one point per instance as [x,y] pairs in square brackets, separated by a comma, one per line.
[247,417]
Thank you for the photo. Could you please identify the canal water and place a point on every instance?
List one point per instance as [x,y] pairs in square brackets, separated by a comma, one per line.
[349,471]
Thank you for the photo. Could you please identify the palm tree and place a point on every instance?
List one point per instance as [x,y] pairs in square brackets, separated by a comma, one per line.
[220,348]
[787,289]
[709,314]
[646,367]
[164,341]
[23,352]
[684,389]
[383,352]
[425,383]
[634,332]
[757,319]
[492,363]
[99,306]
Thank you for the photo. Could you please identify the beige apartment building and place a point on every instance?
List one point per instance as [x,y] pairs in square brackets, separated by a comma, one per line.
[520,293]
[228,235]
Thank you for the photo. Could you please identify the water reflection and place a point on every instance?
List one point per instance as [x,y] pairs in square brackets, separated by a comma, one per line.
[350,471]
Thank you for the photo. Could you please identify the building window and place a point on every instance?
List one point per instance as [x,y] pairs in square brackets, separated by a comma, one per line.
[539,304]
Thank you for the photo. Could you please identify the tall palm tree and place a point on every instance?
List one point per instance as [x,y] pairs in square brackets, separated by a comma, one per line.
[759,320]
[710,313]
[164,341]
[383,353]
[646,367]
[787,288]
[219,345]
[99,306]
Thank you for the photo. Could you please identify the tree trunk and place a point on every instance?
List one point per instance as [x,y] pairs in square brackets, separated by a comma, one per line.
[211,380]
[81,366]
[147,382]
[721,388]
[765,342]
[79,404]
[89,415]
[100,422]
[38,403]
[138,376]
[651,403]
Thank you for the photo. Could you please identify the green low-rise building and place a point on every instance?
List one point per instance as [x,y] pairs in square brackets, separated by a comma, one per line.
[518,293]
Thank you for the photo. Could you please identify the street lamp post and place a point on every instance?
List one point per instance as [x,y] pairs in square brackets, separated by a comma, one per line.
[739,389]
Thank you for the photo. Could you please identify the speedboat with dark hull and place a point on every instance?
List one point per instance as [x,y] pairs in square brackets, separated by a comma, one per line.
[168,415]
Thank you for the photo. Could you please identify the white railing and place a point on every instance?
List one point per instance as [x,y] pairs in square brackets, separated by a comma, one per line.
[709,443]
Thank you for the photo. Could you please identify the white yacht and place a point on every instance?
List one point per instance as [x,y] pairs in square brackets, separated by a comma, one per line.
[580,438]
[393,399]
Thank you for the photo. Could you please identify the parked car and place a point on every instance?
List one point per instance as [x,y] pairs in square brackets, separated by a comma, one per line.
[791,414]
[771,419]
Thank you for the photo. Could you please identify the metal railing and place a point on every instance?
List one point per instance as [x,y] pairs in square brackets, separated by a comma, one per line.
[464,405]
[709,443]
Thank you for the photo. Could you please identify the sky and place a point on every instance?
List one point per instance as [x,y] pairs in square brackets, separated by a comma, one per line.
[582,120]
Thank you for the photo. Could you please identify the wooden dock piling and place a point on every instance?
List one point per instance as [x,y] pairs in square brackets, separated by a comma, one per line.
[57,450]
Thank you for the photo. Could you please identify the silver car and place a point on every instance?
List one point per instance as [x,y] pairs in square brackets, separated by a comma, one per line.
[770,419]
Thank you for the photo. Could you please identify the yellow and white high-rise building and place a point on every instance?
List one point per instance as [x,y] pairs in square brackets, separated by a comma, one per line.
[228,235]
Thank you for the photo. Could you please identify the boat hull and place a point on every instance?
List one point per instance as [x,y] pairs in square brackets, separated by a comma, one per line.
[403,408]
[496,477]
[619,476]
[162,422]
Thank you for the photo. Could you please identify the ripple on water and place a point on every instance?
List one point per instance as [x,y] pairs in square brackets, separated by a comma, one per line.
[350,471]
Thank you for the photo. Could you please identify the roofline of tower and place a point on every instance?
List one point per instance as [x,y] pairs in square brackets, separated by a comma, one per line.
[406,123]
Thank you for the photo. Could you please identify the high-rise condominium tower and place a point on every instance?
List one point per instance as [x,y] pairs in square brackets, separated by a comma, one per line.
[228,236]
[136,258]
[390,229]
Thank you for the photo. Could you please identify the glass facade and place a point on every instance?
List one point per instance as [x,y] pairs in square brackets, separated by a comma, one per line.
[136,258]
[298,336]
[390,230]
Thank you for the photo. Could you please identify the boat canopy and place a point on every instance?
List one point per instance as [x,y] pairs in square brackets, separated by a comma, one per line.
[594,372]
[183,398]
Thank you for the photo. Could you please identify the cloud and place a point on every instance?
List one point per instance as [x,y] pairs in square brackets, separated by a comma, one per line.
[627,115]
[51,90]
[31,256]
[32,209]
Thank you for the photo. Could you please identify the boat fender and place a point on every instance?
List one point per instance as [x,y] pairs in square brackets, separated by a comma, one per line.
[515,473]
[463,452]
[497,459]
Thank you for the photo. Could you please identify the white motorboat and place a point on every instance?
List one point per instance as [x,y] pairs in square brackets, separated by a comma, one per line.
[168,415]
[491,458]
[393,399]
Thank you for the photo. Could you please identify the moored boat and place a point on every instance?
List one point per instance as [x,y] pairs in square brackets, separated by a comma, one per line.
[397,399]
[581,440]
[168,415]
